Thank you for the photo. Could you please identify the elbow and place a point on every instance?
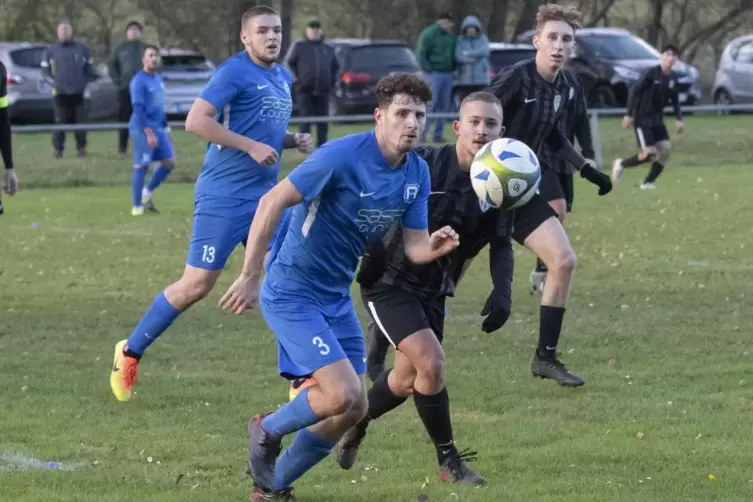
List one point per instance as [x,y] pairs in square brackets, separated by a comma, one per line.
[193,123]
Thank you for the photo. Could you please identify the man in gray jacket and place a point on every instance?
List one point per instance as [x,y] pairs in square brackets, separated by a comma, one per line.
[124,63]
[67,65]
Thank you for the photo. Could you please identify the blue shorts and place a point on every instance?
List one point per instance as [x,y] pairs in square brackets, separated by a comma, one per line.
[144,155]
[309,336]
[220,224]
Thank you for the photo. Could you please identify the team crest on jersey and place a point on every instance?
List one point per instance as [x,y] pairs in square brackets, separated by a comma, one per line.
[572,93]
[411,191]
[287,87]
[557,100]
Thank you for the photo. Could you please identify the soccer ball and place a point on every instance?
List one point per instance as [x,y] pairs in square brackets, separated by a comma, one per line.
[505,174]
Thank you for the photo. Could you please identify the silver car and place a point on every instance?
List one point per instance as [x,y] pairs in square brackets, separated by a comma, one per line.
[734,77]
[29,94]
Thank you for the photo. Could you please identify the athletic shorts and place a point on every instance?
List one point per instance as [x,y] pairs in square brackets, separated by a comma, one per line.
[144,155]
[310,335]
[530,217]
[651,135]
[398,313]
[220,224]
[557,186]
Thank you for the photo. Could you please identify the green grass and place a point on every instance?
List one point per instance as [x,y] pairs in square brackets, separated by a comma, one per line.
[658,323]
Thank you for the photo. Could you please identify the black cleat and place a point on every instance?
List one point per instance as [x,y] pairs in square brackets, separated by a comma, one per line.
[347,448]
[150,207]
[263,452]
[552,367]
[377,346]
[259,493]
[454,469]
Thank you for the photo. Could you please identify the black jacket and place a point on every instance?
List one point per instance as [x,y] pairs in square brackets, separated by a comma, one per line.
[314,66]
[68,66]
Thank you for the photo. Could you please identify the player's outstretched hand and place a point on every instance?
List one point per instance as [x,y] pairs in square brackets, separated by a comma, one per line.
[304,142]
[495,314]
[263,154]
[596,177]
[627,121]
[10,183]
[242,295]
[444,240]
[679,126]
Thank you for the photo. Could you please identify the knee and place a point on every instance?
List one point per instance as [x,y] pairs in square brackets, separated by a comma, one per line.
[431,370]
[358,410]
[194,289]
[663,152]
[345,399]
[563,261]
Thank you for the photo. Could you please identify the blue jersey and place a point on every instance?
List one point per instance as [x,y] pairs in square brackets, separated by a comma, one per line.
[255,102]
[148,102]
[351,197]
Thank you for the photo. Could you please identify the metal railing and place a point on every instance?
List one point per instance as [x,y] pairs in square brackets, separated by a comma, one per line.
[594,114]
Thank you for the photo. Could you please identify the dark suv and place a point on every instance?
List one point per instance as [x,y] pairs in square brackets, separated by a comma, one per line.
[362,63]
[610,60]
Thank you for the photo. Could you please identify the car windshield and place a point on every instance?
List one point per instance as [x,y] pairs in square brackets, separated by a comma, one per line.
[615,47]
[502,59]
[195,63]
[370,56]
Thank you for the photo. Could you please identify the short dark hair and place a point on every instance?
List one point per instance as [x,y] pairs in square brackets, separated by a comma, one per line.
[444,16]
[315,24]
[134,23]
[402,83]
[149,46]
[256,11]
[671,47]
[486,97]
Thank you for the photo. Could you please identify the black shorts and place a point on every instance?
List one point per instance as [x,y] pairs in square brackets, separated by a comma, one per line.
[556,186]
[530,217]
[651,135]
[398,313]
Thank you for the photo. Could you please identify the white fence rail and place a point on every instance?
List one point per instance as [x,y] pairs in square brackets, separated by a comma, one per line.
[593,113]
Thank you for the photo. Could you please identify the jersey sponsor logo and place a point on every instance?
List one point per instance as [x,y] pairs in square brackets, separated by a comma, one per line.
[275,109]
[377,220]
[411,191]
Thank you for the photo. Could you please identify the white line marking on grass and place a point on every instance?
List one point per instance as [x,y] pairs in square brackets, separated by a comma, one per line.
[14,461]
[92,230]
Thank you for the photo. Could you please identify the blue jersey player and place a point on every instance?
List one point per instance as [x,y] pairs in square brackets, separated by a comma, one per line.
[148,128]
[345,195]
[243,114]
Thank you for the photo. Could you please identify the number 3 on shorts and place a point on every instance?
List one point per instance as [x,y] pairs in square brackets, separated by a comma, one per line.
[323,347]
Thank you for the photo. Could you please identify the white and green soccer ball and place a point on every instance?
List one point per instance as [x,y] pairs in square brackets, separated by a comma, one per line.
[505,174]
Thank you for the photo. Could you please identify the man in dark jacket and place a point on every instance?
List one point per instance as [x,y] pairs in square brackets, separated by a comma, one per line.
[67,65]
[124,63]
[315,68]
[436,55]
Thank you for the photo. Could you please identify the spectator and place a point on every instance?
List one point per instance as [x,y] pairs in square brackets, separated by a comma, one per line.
[472,58]
[436,55]
[315,68]
[124,63]
[67,65]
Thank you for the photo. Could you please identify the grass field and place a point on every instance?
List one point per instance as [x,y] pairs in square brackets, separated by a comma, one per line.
[659,324]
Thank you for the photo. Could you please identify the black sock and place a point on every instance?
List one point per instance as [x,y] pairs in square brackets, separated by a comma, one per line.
[381,398]
[633,161]
[654,173]
[435,414]
[550,327]
[130,353]
[540,265]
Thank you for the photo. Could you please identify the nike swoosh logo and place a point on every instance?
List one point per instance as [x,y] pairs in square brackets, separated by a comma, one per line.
[530,100]
[260,87]
[367,194]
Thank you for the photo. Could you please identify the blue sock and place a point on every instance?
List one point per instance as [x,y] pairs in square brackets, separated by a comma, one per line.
[307,450]
[137,184]
[159,175]
[157,319]
[292,416]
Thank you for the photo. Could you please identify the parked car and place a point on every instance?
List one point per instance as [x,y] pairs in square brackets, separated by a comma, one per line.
[184,71]
[733,83]
[611,60]
[362,63]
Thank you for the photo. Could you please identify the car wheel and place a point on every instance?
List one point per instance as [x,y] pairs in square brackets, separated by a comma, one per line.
[722,98]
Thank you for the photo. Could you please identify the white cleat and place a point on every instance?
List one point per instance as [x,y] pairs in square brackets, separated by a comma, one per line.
[617,171]
[538,280]
[648,186]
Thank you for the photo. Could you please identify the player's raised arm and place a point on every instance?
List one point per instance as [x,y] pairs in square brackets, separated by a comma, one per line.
[202,118]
